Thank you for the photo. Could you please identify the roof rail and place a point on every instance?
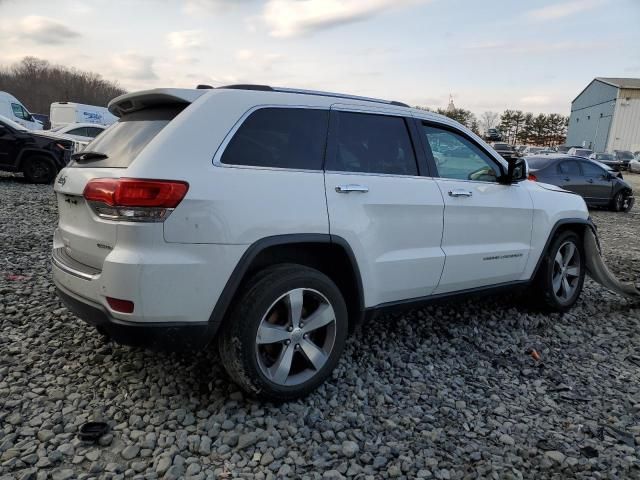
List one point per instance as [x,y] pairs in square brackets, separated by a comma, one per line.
[266,88]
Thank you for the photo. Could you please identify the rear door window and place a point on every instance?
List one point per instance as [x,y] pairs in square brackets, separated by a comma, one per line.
[569,167]
[125,139]
[371,143]
[82,132]
[280,138]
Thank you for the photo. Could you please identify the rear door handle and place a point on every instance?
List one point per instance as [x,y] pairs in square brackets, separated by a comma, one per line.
[352,187]
[566,179]
[590,180]
[460,193]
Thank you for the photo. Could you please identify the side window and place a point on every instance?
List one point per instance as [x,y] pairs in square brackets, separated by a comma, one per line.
[19,112]
[93,132]
[82,131]
[569,167]
[280,137]
[591,170]
[459,158]
[372,143]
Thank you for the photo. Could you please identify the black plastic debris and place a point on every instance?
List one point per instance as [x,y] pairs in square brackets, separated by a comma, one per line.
[92,431]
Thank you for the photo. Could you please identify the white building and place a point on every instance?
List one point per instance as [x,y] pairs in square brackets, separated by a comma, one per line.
[605,116]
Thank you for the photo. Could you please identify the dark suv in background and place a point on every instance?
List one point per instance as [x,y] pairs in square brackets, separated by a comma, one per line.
[624,156]
[38,157]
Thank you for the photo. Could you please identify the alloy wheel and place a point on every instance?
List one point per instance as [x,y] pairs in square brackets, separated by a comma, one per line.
[296,337]
[566,271]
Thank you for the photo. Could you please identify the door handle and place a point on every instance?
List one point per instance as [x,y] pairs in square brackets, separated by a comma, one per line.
[460,193]
[566,179]
[590,180]
[352,187]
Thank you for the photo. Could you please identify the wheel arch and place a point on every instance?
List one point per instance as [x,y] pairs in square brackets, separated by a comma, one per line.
[27,153]
[577,225]
[330,254]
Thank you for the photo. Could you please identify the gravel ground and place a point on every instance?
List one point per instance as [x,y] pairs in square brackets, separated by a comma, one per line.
[446,392]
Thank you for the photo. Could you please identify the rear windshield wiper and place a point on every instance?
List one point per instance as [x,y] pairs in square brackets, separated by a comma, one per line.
[90,155]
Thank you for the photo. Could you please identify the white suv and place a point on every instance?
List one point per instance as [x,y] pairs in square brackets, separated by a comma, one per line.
[275,220]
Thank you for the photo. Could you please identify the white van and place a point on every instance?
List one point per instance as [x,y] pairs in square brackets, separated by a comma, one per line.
[64,113]
[13,109]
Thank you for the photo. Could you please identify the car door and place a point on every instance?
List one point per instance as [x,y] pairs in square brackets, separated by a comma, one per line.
[598,183]
[569,176]
[378,202]
[487,225]
[8,145]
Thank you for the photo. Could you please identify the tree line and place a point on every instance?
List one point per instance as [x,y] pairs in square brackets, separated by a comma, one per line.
[38,83]
[516,126]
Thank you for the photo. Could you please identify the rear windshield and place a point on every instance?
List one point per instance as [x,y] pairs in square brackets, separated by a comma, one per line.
[536,163]
[125,139]
[625,155]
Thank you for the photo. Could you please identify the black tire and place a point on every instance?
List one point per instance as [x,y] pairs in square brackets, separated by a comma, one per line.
[544,291]
[238,342]
[38,169]
[620,202]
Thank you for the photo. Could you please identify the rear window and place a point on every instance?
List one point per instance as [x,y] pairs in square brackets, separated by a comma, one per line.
[125,139]
[536,163]
[625,155]
[280,138]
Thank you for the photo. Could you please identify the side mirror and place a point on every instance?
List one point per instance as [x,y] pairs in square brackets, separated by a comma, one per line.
[517,170]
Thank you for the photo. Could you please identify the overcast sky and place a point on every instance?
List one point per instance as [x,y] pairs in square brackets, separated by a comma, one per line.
[534,55]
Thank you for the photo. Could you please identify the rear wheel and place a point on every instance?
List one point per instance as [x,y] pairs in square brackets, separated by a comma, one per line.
[285,334]
[38,170]
[561,275]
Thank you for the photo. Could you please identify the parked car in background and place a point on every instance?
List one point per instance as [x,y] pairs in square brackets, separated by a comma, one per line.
[531,150]
[634,165]
[505,150]
[580,152]
[562,148]
[608,159]
[14,110]
[64,113]
[597,185]
[37,156]
[82,132]
[232,214]
[43,119]
[625,156]
[493,135]
[546,151]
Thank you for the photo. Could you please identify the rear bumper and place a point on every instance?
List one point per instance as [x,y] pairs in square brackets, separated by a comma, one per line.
[156,336]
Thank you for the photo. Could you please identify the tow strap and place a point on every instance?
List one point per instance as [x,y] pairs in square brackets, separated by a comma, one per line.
[599,272]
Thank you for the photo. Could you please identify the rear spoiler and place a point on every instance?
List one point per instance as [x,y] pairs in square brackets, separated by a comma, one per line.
[130,102]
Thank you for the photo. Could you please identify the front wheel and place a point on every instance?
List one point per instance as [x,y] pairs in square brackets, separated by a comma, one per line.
[561,275]
[38,170]
[621,202]
[285,334]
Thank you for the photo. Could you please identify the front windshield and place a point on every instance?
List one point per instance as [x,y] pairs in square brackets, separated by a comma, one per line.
[604,156]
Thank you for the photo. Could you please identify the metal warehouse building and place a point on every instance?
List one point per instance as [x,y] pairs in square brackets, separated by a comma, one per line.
[605,116]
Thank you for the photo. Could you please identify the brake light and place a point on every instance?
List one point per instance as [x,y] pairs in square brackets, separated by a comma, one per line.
[134,199]
[532,177]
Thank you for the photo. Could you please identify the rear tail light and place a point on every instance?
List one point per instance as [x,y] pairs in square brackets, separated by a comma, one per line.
[532,177]
[134,200]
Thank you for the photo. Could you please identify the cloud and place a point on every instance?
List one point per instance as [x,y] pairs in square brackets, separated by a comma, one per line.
[561,10]
[45,30]
[536,47]
[186,39]
[198,7]
[290,18]
[536,100]
[134,66]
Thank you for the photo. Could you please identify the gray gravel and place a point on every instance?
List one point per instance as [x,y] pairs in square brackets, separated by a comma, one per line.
[446,392]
